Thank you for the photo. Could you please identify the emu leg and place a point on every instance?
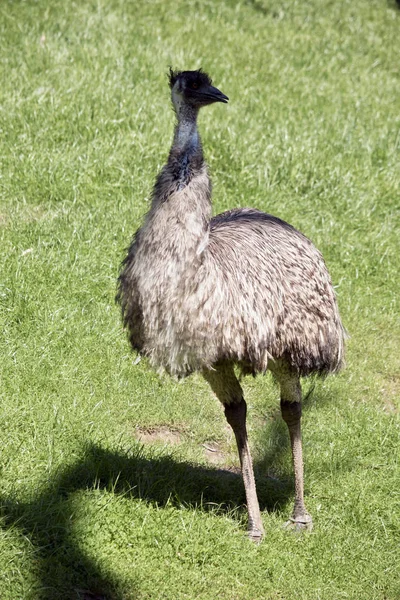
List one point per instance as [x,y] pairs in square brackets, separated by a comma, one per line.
[291,414]
[226,386]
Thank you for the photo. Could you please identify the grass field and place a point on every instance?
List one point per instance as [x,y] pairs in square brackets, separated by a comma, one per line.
[110,476]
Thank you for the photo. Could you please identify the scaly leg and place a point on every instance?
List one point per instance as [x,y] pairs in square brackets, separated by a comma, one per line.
[291,414]
[226,386]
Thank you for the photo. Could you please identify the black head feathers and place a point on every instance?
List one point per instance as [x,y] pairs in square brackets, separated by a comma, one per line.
[199,77]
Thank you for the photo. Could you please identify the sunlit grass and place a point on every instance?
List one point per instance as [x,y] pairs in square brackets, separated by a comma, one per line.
[312,135]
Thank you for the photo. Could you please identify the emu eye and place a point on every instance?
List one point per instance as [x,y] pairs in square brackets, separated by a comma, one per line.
[195,86]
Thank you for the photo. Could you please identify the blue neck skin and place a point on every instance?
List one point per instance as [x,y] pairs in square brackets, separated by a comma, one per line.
[186,150]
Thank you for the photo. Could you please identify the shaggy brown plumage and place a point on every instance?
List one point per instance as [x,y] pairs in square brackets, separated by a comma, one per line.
[201,293]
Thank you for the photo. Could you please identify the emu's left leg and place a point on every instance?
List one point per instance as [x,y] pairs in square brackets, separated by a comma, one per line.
[291,414]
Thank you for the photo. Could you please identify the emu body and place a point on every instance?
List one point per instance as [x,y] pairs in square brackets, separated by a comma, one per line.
[202,294]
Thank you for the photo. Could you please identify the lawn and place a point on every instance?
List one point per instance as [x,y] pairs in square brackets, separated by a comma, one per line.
[120,484]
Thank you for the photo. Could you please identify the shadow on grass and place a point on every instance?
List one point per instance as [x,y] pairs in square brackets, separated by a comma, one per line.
[65,572]
[275,441]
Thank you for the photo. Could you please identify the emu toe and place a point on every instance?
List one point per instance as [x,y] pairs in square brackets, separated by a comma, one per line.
[255,535]
[300,523]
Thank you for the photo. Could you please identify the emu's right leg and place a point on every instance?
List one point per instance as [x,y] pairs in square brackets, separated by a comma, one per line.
[226,386]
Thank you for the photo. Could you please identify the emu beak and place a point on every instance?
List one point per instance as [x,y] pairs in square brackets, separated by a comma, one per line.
[215,95]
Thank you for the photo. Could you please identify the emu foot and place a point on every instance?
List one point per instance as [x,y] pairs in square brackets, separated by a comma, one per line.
[255,535]
[299,523]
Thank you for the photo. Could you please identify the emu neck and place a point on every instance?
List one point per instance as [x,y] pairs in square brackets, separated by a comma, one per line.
[176,229]
[186,151]
[186,138]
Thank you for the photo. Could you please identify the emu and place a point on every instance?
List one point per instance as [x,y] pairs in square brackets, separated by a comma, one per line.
[243,288]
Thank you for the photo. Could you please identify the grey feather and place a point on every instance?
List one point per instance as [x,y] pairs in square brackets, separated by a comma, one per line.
[243,286]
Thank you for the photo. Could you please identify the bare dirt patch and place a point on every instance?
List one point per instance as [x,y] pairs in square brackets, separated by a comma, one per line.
[156,435]
[215,455]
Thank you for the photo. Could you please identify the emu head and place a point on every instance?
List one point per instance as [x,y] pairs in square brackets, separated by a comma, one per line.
[193,89]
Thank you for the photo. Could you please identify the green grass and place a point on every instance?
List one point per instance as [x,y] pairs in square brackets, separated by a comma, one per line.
[311,134]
